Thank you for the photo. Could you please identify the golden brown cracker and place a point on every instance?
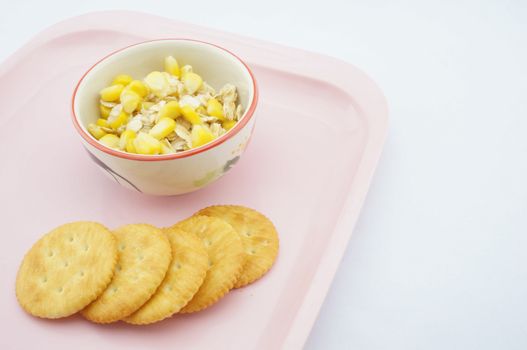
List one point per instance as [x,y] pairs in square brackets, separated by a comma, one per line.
[66,269]
[259,238]
[185,275]
[225,251]
[144,254]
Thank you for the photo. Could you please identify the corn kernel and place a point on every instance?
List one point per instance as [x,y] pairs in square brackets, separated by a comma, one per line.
[135,124]
[123,79]
[157,82]
[126,140]
[111,93]
[163,127]
[102,122]
[129,100]
[105,111]
[171,66]
[117,121]
[146,144]
[138,87]
[215,109]
[166,148]
[228,124]
[110,140]
[190,114]
[130,148]
[192,101]
[96,131]
[200,135]
[185,69]
[192,82]
[170,110]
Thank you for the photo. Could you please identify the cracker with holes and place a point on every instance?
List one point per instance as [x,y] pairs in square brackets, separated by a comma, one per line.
[258,235]
[226,258]
[144,255]
[66,269]
[185,275]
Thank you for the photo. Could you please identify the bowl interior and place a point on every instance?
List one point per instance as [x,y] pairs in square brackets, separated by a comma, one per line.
[215,65]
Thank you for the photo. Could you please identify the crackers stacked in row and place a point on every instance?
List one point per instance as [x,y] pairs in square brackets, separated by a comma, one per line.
[141,274]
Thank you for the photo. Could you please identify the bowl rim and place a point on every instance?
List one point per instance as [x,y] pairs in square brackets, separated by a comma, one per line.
[149,158]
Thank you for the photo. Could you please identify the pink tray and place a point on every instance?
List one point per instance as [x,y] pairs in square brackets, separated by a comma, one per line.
[319,134]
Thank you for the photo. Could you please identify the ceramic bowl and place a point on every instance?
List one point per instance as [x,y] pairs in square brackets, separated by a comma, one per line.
[181,172]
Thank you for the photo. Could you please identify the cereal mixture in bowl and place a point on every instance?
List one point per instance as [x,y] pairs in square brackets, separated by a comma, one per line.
[165,112]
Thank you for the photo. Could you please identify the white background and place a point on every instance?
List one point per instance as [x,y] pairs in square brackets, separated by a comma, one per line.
[438,259]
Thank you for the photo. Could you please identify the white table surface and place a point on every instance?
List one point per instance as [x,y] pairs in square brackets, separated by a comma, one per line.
[438,259]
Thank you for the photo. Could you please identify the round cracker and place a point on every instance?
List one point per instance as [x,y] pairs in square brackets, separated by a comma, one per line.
[225,252]
[144,255]
[66,269]
[259,238]
[185,275]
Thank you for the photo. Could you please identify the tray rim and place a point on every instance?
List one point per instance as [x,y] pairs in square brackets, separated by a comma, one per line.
[371,103]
